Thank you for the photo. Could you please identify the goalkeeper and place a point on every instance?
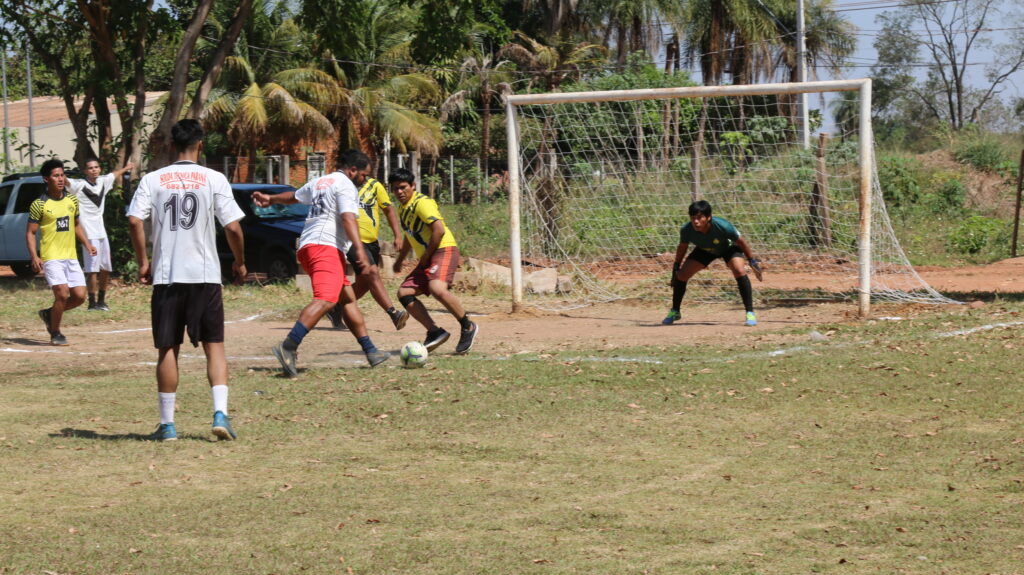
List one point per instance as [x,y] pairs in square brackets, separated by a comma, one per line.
[712,238]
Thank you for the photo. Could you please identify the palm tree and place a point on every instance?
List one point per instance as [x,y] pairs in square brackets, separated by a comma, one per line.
[484,76]
[635,25]
[256,110]
[551,66]
[732,34]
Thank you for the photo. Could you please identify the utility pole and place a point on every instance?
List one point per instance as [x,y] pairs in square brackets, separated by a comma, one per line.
[31,123]
[7,137]
[801,66]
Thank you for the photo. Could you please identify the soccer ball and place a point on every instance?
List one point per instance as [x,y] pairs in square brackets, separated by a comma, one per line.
[413,354]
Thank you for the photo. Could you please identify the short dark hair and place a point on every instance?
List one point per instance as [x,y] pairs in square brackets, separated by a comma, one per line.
[353,159]
[401,175]
[186,133]
[49,166]
[700,208]
[91,159]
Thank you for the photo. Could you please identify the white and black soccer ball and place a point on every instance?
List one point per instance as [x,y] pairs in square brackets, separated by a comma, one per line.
[413,354]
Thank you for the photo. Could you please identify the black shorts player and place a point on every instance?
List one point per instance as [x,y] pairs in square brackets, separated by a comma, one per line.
[712,238]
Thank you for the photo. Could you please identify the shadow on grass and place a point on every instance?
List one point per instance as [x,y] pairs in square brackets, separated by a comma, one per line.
[985,296]
[29,342]
[90,434]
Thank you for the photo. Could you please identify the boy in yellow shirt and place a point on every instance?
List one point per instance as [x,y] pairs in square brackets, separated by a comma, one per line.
[56,216]
[434,244]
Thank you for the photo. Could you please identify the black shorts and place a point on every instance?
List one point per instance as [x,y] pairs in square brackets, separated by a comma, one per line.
[706,257]
[372,250]
[196,308]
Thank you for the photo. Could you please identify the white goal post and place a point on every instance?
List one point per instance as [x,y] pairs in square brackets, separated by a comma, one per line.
[589,155]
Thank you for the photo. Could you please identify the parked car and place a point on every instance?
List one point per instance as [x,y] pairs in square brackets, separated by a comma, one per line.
[17,192]
[271,233]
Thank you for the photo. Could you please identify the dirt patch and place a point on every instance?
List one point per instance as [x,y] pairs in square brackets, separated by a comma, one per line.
[608,326]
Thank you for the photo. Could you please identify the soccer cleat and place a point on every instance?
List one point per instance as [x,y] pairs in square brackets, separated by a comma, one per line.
[102,306]
[44,314]
[751,319]
[436,338]
[58,339]
[222,426]
[377,357]
[466,339]
[672,317]
[287,358]
[93,307]
[165,432]
[399,319]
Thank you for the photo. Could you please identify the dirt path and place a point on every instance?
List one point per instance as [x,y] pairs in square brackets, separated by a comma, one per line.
[607,326]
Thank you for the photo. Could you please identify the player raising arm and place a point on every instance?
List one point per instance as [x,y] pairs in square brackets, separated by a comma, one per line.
[712,238]
[330,230]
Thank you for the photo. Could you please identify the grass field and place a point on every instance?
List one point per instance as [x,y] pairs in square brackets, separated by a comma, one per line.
[879,447]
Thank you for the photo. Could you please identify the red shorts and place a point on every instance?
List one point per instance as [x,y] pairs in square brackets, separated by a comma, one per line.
[443,265]
[326,268]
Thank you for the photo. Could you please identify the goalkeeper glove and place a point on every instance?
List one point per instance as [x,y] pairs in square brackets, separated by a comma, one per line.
[675,270]
[755,264]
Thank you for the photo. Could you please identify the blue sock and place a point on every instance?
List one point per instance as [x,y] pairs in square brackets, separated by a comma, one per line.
[368,346]
[297,333]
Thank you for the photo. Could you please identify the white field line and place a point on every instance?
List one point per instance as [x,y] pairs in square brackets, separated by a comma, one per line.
[245,319]
[971,330]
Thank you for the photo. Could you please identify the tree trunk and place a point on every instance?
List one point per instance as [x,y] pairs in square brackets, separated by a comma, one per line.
[159,140]
[485,132]
[213,68]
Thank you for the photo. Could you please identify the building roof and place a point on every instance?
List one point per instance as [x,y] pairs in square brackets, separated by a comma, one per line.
[49,110]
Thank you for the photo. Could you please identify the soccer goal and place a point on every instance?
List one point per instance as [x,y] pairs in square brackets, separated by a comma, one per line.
[600,182]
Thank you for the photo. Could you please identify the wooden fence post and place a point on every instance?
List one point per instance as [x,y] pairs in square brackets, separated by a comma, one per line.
[1016,210]
[821,221]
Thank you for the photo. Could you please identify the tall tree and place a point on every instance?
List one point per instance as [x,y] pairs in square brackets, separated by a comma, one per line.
[724,32]
[951,33]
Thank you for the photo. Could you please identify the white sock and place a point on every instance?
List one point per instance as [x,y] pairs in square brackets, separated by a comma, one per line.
[167,407]
[220,398]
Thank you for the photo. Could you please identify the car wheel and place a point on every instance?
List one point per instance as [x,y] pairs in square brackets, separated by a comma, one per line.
[279,265]
[23,271]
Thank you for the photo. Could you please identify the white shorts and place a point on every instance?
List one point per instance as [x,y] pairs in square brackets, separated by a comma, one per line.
[100,261]
[61,272]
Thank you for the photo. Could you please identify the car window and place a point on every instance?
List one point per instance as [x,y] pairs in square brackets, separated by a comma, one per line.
[27,193]
[5,194]
[281,211]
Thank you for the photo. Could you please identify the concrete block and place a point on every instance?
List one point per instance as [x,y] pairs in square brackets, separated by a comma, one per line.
[564,284]
[303,282]
[542,281]
[466,281]
[491,272]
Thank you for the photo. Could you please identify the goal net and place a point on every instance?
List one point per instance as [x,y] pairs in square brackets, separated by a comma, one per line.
[600,183]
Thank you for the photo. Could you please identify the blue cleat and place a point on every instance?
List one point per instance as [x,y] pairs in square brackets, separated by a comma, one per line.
[222,426]
[672,317]
[165,432]
[751,319]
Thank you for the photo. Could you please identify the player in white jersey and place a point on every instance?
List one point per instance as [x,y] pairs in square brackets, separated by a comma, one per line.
[92,197]
[185,201]
[332,221]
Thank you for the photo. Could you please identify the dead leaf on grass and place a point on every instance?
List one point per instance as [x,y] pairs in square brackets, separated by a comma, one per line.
[285,487]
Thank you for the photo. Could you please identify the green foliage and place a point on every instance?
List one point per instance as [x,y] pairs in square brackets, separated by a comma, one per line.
[978,233]
[981,152]
[945,194]
[899,181]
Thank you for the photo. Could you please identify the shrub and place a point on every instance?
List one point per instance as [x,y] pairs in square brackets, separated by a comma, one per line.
[982,153]
[976,233]
[899,181]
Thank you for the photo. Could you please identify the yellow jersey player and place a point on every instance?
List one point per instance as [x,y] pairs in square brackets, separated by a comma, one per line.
[434,244]
[55,215]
